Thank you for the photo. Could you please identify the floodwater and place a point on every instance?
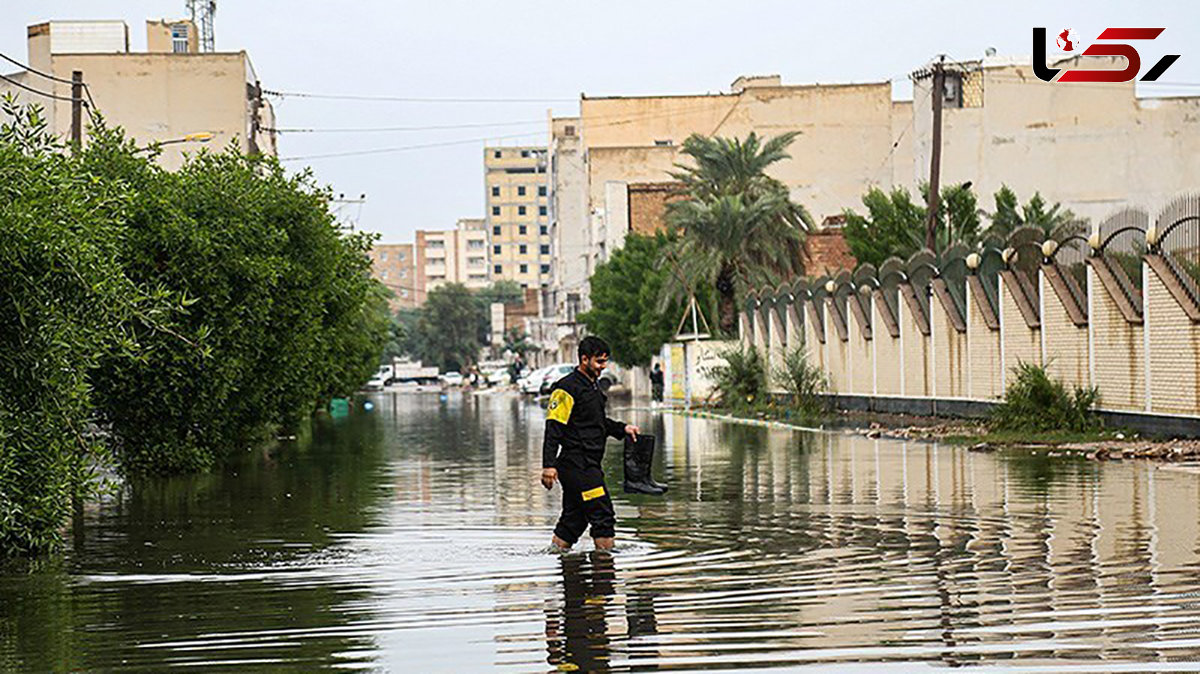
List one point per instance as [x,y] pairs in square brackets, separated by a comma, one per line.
[413,538]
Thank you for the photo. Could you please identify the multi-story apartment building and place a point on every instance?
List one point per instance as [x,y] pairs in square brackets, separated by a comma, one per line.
[172,94]
[394,265]
[518,215]
[458,255]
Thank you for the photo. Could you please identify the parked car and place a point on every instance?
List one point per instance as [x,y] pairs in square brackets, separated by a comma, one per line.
[532,382]
[452,379]
[553,374]
[500,377]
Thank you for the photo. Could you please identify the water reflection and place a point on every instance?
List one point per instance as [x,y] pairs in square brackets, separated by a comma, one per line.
[415,538]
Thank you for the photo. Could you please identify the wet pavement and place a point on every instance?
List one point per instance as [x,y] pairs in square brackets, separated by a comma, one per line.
[414,538]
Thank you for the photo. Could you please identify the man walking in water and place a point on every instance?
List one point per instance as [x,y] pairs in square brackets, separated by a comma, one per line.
[576,423]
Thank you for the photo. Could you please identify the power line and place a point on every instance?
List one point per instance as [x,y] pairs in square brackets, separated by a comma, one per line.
[383,129]
[48,76]
[42,93]
[410,99]
[404,148]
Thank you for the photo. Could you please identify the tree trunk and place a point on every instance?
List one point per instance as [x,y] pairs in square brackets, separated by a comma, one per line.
[727,305]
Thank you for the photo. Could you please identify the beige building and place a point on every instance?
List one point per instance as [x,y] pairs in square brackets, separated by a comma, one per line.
[395,266]
[459,255]
[166,95]
[518,214]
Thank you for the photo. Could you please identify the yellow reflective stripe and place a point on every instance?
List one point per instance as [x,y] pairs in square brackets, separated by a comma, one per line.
[559,408]
[593,493]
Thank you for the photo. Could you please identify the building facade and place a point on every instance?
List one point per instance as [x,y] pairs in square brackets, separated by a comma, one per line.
[517,195]
[166,95]
[394,265]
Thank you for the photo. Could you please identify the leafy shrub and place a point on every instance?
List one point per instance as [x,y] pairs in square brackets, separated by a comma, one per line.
[1034,402]
[63,299]
[804,381]
[741,380]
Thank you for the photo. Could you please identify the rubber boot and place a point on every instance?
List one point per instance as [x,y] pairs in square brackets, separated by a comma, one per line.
[646,455]
[637,473]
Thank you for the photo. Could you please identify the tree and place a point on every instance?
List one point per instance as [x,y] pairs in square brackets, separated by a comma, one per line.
[737,227]
[504,292]
[895,225]
[624,291]
[1010,215]
[447,330]
[516,341]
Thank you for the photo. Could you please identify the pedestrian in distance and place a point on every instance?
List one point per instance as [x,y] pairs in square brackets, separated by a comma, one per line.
[577,427]
[656,383]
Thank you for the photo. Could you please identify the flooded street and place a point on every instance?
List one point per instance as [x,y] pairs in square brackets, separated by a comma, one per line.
[414,538]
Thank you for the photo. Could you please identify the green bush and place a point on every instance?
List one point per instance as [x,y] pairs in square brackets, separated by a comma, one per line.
[63,300]
[804,382]
[281,313]
[1034,402]
[741,380]
[186,313]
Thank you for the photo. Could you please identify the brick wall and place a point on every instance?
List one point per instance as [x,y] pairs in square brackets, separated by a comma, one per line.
[1174,352]
[1119,364]
[862,362]
[648,206]
[887,356]
[1066,343]
[949,353]
[1021,343]
[984,346]
[917,357]
[826,252]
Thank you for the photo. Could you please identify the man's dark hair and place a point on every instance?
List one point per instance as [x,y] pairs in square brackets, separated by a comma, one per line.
[593,346]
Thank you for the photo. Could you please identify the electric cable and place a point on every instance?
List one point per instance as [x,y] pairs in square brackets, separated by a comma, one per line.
[410,99]
[43,93]
[48,76]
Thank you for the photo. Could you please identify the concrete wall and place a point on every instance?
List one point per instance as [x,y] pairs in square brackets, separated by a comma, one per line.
[949,355]
[916,354]
[1019,343]
[1065,344]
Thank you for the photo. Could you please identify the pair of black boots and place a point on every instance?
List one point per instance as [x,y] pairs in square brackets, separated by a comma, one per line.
[639,458]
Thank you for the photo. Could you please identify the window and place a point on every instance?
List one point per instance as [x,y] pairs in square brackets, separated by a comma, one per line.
[400,255]
[179,38]
[495,190]
[496,249]
[476,262]
[520,190]
[664,143]
[435,243]
[384,274]
[383,256]
[520,210]
[524,269]
[541,190]
[542,230]
[545,249]
[495,210]
[541,210]
[545,269]
[497,154]
[403,273]
[403,292]
[524,249]
[524,154]
[522,229]
[499,269]
[476,244]
[569,130]
[496,230]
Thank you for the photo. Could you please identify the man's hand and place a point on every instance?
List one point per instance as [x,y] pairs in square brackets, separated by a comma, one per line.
[631,431]
[549,477]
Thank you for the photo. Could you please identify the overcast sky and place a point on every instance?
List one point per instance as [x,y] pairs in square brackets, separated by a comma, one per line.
[550,51]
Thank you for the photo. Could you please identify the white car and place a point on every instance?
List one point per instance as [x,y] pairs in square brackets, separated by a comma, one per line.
[500,377]
[452,379]
[555,373]
[532,382]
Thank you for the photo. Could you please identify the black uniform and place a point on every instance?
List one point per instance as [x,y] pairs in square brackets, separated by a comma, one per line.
[576,422]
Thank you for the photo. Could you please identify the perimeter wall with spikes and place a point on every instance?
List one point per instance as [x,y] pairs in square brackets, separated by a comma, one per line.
[1115,306]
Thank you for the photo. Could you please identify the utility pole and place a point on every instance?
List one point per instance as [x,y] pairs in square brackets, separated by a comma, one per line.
[938,93]
[77,109]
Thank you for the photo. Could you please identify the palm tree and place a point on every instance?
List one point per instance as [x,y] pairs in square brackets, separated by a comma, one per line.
[737,227]
[1011,215]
